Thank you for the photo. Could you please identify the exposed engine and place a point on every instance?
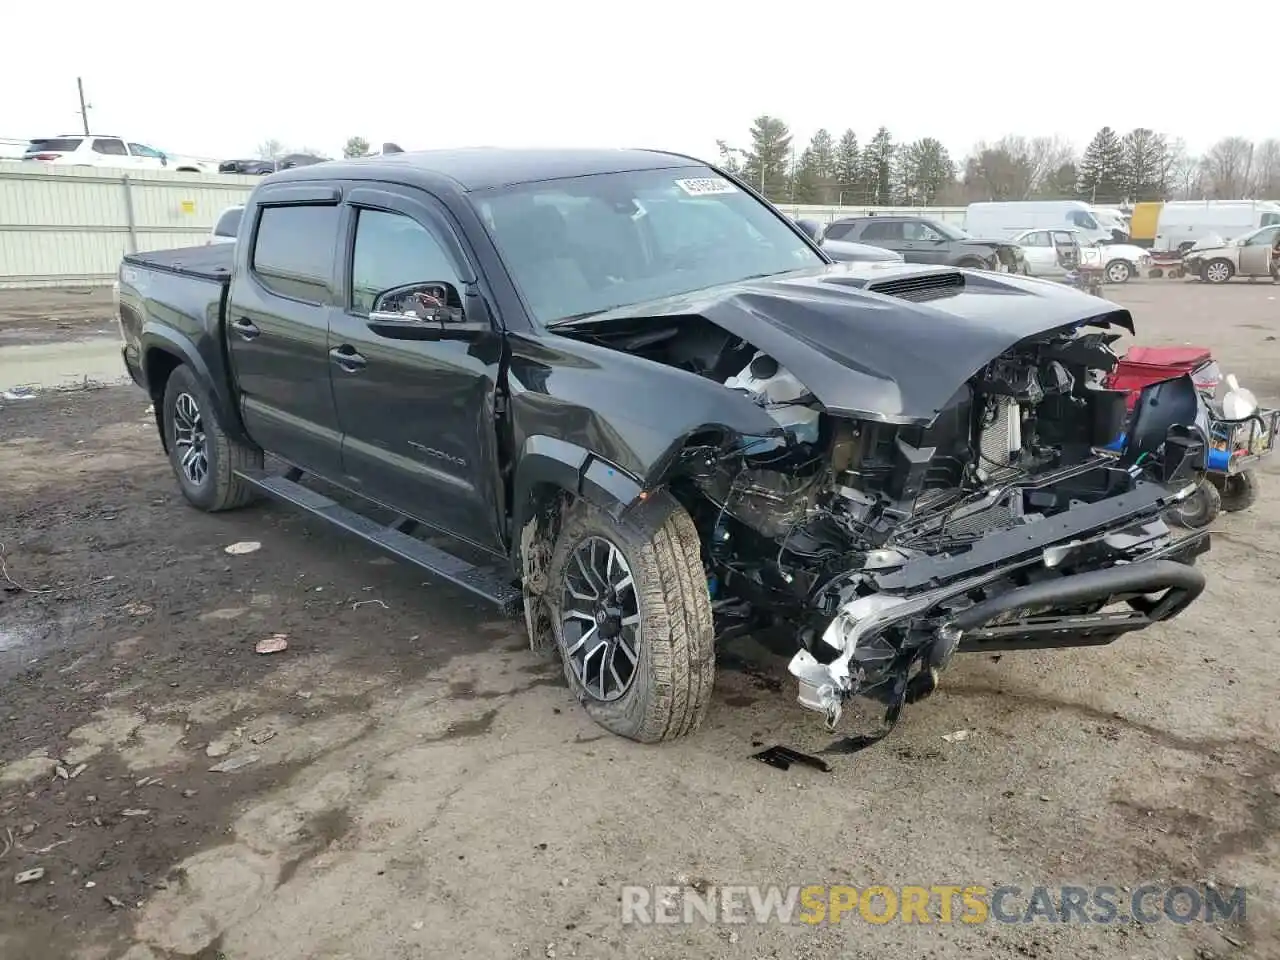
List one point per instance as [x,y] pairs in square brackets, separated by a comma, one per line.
[837,487]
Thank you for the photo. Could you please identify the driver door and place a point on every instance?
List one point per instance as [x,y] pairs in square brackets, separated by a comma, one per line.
[1255,253]
[416,399]
[925,243]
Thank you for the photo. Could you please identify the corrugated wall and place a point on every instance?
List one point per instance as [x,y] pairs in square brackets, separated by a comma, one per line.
[71,226]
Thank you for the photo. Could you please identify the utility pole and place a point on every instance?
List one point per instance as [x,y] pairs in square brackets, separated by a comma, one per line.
[84,107]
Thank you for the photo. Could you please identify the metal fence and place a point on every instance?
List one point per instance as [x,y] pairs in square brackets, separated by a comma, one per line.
[70,227]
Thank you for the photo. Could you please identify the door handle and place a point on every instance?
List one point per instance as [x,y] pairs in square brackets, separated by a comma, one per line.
[346,357]
[245,328]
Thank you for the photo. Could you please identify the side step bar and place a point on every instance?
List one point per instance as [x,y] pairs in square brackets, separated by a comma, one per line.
[491,583]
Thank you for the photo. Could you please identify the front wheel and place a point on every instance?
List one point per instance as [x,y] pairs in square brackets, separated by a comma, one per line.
[1217,271]
[631,615]
[204,458]
[1119,271]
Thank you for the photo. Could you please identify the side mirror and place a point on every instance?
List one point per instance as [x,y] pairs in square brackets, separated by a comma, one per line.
[427,311]
[812,229]
[164,160]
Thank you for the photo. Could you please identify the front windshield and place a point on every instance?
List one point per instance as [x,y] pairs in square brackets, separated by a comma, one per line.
[582,245]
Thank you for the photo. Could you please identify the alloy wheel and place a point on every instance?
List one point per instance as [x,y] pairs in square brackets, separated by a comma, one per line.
[600,619]
[1118,272]
[1217,272]
[190,439]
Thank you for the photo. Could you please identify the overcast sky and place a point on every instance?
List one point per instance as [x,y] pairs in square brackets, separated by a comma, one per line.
[217,80]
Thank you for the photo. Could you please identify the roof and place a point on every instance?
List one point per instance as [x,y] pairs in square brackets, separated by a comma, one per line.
[481,168]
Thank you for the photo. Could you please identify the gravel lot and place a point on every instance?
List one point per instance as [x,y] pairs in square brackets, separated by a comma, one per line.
[421,785]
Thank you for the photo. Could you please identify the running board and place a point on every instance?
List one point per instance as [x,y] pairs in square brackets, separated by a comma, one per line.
[491,583]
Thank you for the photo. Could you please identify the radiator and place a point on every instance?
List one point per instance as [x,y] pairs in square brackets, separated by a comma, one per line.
[1002,439]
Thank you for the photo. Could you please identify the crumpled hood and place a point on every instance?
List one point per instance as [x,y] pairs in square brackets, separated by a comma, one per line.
[875,355]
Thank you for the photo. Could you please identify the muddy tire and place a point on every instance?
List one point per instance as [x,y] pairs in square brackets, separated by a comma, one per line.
[631,615]
[203,457]
[1198,510]
[1239,491]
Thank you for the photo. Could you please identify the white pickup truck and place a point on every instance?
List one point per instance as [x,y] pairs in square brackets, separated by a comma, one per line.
[1119,261]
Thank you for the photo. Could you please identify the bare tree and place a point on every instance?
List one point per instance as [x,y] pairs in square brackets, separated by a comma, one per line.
[1015,168]
[1228,168]
[270,149]
[1182,174]
[1266,170]
[1045,157]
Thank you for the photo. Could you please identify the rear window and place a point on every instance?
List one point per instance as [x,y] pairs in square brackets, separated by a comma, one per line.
[228,224]
[293,252]
[838,231]
[54,145]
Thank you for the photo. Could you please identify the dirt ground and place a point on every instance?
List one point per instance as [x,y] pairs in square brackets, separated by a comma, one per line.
[407,780]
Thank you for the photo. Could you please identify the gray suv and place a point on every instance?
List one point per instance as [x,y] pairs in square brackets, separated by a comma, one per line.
[925,240]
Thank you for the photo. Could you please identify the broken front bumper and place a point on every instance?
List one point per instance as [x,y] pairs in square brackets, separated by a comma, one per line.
[1143,565]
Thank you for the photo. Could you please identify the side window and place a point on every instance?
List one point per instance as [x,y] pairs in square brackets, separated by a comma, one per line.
[142,150]
[839,231]
[114,148]
[918,230]
[1063,238]
[1263,238]
[883,230]
[293,250]
[1269,218]
[391,251]
[1038,239]
[1081,219]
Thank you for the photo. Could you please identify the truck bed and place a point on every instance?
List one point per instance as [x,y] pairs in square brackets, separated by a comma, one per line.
[211,262]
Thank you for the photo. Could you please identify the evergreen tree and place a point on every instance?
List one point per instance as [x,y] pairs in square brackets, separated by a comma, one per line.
[847,169]
[1102,168]
[877,169]
[1144,167]
[768,165]
[923,170]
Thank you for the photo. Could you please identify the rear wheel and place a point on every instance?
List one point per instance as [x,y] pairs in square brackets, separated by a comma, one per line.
[203,457]
[1239,491]
[631,615]
[1198,510]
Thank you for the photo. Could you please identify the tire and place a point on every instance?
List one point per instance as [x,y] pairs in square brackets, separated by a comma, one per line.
[1198,510]
[1239,491]
[189,418]
[665,690]
[1217,271]
[1119,271]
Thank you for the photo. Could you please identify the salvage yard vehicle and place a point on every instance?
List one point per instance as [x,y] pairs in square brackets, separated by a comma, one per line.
[651,411]
[1118,262]
[1251,256]
[925,240]
[1241,433]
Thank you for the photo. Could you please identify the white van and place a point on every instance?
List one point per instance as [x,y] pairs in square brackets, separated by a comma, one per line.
[1004,218]
[1183,223]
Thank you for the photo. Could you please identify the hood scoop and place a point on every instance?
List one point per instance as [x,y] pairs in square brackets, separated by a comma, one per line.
[921,288]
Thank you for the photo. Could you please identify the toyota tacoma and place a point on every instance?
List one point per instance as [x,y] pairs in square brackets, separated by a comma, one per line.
[651,413]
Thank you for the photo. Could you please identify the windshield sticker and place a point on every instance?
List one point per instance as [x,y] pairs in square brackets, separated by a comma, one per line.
[706,186]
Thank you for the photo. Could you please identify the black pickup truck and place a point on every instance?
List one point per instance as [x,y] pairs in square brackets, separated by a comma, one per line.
[651,412]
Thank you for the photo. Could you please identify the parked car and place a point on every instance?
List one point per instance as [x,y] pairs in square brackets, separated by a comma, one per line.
[1119,262]
[656,430]
[1217,260]
[228,225]
[924,240]
[1184,224]
[1005,218]
[102,151]
[260,168]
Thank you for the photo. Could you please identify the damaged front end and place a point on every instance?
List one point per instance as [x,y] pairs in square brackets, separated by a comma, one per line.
[937,479]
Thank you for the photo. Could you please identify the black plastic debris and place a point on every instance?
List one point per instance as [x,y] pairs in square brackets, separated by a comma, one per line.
[783,757]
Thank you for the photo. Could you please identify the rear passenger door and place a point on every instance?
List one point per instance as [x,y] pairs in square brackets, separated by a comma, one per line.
[1040,254]
[110,152]
[887,234]
[417,408]
[278,325]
